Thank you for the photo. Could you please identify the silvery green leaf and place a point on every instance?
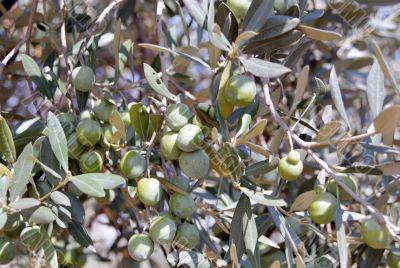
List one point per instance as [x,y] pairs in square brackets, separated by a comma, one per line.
[376,89]
[262,68]
[337,96]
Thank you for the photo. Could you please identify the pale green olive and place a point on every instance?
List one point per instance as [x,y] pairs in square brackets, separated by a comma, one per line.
[177,115]
[149,191]
[140,247]
[83,78]
[194,164]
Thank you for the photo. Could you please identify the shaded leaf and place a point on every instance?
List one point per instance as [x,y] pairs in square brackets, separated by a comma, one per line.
[276,26]
[303,201]
[140,120]
[258,14]
[256,130]
[80,234]
[36,75]
[262,167]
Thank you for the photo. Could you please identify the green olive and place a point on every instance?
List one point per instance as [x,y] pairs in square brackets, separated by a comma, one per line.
[348,180]
[86,114]
[83,78]
[162,230]
[290,167]
[323,208]
[190,138]
[75,148]
[181,182]
[177,115]
[275,259]
[149,191]
[169,146]
[9,221]
[91,162]
[140,247]
[374,234]
[80,259]
[393,260]
[181,205]
[187,236]
[240,90]
[7,251]
[89,132]
[194,164]
[132,165]
[239,7]
[102,109]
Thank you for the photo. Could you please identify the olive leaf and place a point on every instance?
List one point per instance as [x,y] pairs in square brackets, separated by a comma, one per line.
[36,75]
[318,34]
[262,68]
[156,83]
[7,147]
[140,120]
[58,141]
[88,185]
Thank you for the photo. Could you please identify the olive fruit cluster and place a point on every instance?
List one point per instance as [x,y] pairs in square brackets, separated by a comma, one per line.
[184,141]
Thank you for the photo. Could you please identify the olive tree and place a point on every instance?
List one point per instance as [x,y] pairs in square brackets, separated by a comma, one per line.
[238,133]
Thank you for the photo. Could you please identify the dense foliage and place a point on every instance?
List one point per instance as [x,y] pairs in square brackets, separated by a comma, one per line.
[238,133]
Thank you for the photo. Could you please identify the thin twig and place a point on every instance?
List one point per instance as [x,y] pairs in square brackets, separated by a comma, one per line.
[161,41]
[390,226]
[26,39]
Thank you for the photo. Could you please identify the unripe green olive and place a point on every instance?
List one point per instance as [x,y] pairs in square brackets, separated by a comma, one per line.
[108,131]
[83,78]
[275,259]
[9,221]
[132,165]
[240,90]
[190,138]
[75,148]
[239,7]
[393,260]
[181,182]
[162,230]
[194,164]
[323,208]
[283,5]
[89,132]
[374,234]
[177,115]
[290,167]
[80,259]
[102,109]
[187,236]
[140,247]
[348,180]
[181,205]
[169,146]
[86,114]
[91,162]
[149,191]
[7,251]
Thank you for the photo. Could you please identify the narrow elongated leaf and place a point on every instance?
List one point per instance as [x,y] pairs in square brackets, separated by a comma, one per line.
[318,34]
[25,203]
[262,167]
[106,180]
[303,201]
[7,147]
[197,13]
[80,234]
[264,199]
[337,96]
[236,238]
[36,75]
[215,34]
[36,238]
[276,26]
[243,37]
[244,124]
[384,66]
[387,120]
[58,141]
[156,83]
[375,89]
[88,185]
[262,68]
[256,130]
[22,172]
[341,237]
[258,14]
